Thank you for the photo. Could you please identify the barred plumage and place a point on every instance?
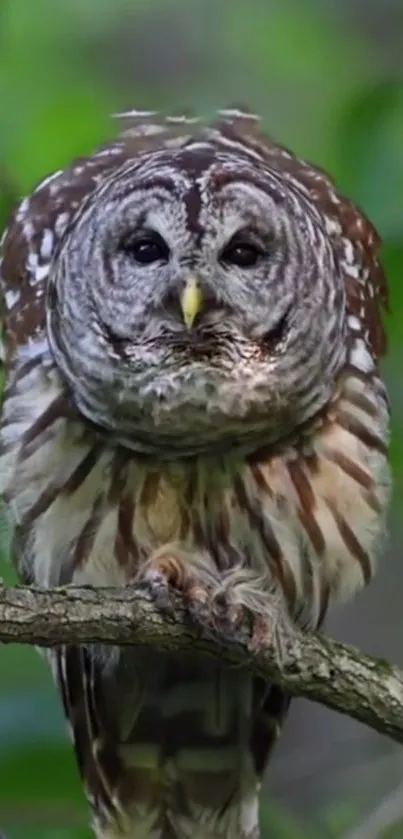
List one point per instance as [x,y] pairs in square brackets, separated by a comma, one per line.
[244,455]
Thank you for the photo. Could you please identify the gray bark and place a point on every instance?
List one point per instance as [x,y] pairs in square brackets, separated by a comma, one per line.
[305,664]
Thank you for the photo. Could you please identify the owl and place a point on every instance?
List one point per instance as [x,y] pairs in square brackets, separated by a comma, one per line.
[192,329]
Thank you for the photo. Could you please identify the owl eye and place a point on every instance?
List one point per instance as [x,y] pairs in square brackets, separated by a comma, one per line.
[241,254]
[147,248]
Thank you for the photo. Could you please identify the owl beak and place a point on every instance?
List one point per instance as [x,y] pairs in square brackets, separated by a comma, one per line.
[191,300]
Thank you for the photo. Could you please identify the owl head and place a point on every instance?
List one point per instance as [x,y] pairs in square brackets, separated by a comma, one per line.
[196,301]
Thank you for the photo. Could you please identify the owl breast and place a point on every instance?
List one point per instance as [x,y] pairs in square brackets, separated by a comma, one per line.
[87,512]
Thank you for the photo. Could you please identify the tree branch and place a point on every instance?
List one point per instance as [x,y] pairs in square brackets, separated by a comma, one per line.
[304,664]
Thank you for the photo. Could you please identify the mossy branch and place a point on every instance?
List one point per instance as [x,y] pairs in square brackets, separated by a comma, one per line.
[304,664]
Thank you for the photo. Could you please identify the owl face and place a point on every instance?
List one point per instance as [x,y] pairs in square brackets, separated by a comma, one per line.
[189,307]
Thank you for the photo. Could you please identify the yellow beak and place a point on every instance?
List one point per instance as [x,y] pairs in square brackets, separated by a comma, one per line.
[191,301]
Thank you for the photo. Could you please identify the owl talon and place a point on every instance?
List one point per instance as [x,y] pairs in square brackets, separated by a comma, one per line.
[235,621]
[210,608]
[165,576]
[197,603]
[157,586]
[216,614]
[260,633]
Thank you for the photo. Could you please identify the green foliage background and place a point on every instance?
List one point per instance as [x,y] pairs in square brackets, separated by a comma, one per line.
[324,88]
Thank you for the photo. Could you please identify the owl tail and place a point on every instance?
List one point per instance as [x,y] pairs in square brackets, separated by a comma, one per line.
[168,746]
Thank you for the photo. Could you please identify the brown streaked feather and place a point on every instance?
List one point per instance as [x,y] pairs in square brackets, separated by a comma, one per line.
[347,420]
[352,543]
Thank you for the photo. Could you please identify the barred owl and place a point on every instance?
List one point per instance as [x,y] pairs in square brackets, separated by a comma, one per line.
[192,334]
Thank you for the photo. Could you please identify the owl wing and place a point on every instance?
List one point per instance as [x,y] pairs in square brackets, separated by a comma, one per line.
[102,707]
[74,671]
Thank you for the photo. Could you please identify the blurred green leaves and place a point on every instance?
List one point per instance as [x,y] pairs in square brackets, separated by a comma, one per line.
[371,154]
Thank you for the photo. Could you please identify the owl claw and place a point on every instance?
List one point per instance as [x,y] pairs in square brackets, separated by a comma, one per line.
[166,576]
[198,602]
[259,634]
[157,586]
[216,614]
[237,622]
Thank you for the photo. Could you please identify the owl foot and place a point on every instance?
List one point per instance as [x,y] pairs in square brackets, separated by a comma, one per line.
[234,605]
[165,576]
[249,609]
[238,622]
